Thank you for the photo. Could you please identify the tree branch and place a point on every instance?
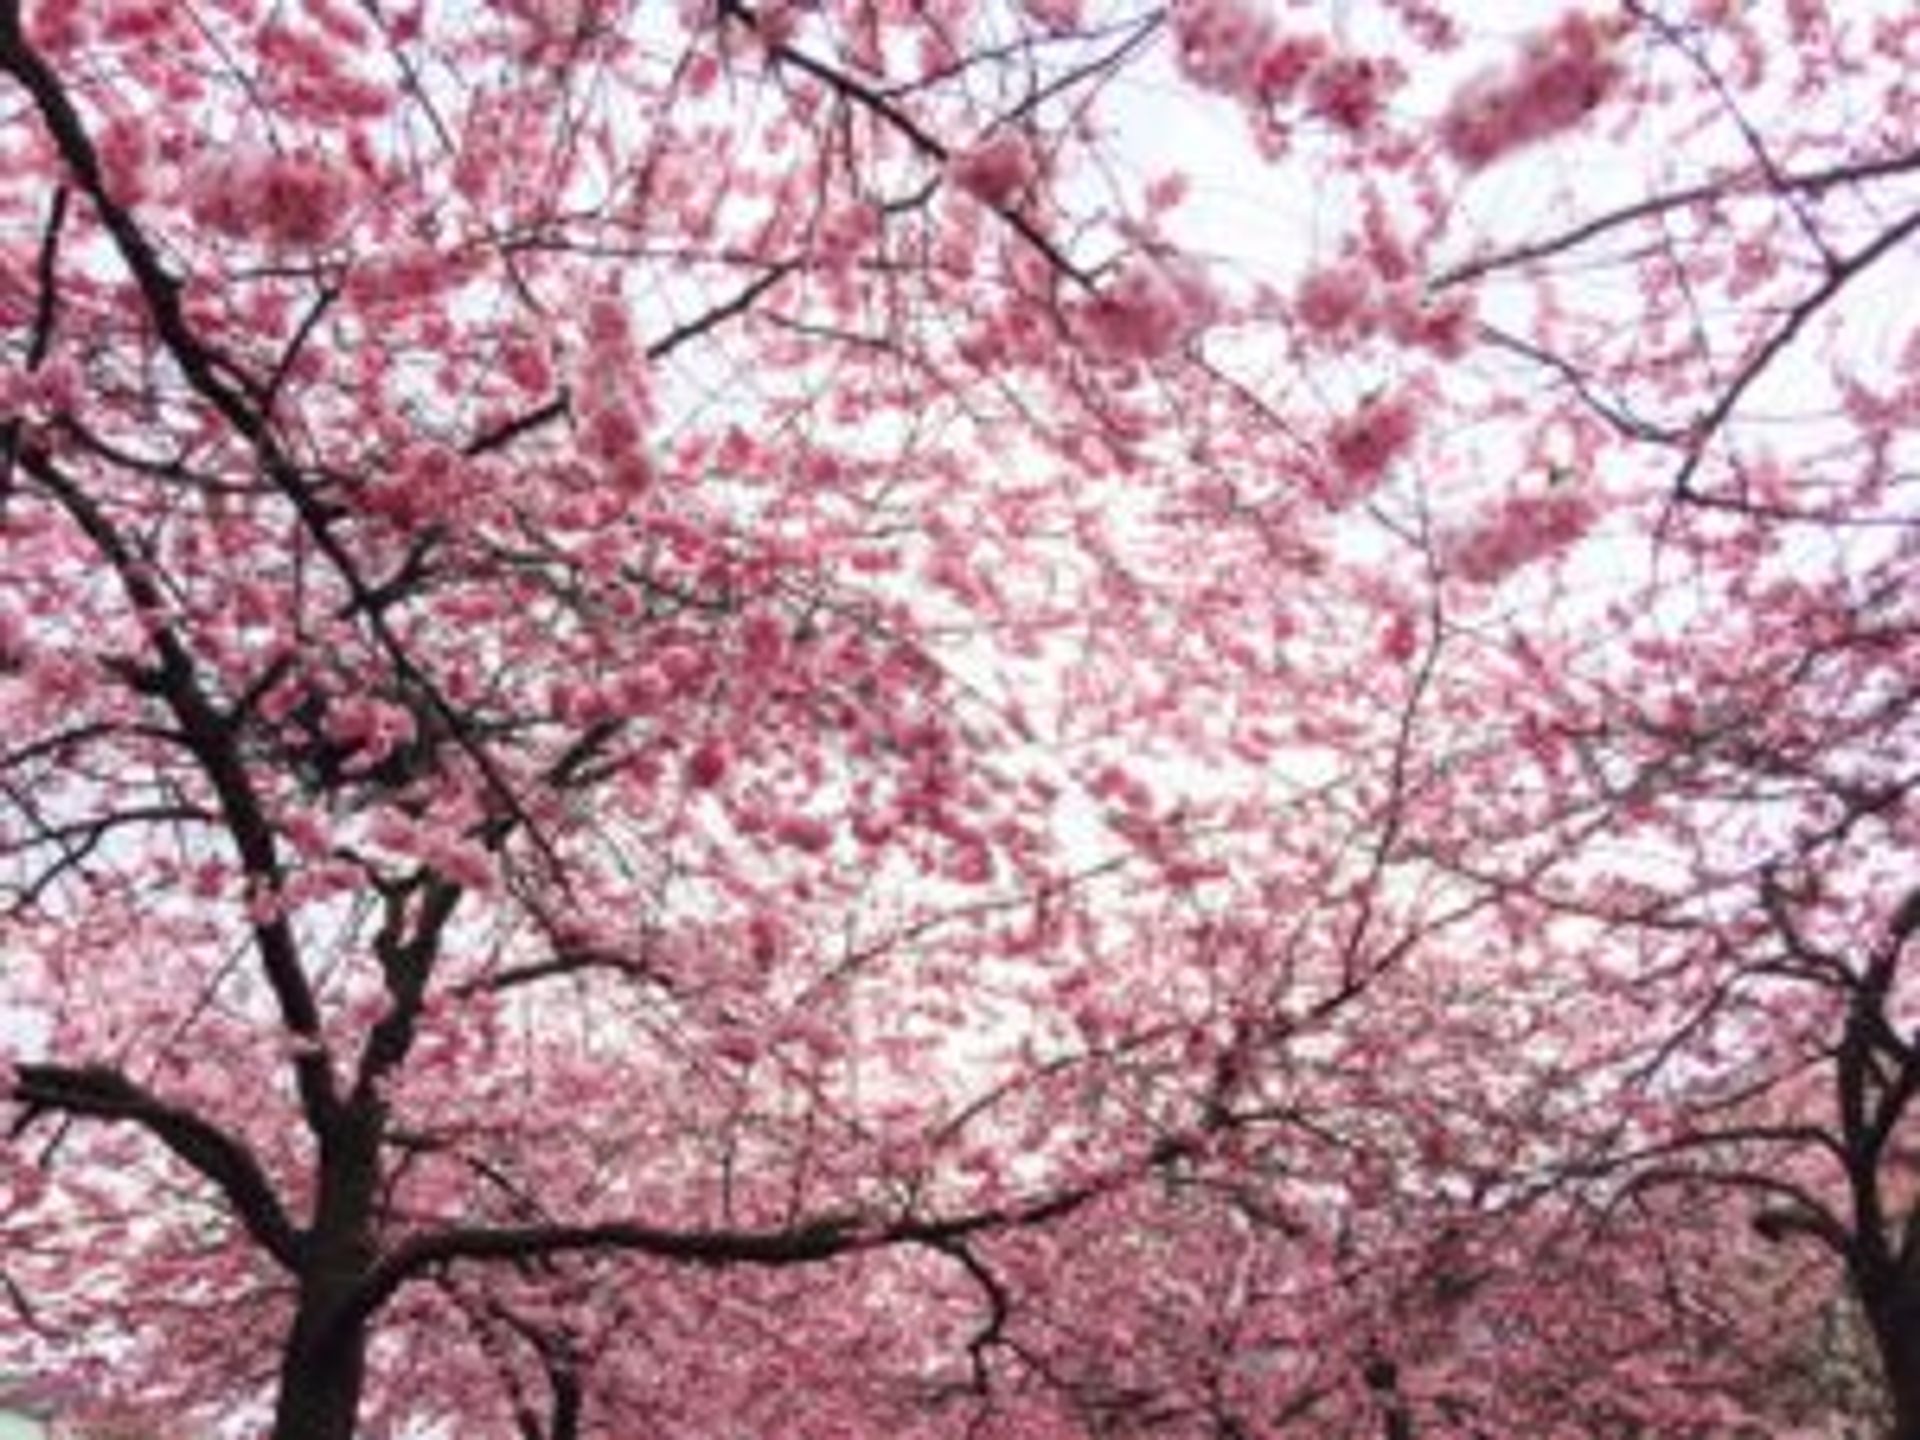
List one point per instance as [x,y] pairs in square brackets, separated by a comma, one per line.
[892,115]
[237,399]
[210,739]
[812,1242]
[1843,270]
[1810,182]
[103,1093]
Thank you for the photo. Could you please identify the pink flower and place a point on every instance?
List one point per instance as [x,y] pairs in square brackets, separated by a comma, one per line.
[525,364]
[1561,76]
[369,728]
[736,1047]
[1151,310]
[611,433]
[1523,530]
[804,833]
[461,862]
[126,158]
[1167,192]
[609,328]
[1365,443]
[707,765]
[1443,325]
[1285,65]
[1400,639]
[289,201]
[58,387]
[1350,91]
[58,26]
[1222,43]
[299,202]
[996,170]
[763,642]
[1336,299]
[1057,16]
[778,23]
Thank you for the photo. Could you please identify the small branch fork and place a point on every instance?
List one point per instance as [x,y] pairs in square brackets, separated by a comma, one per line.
[856,92]
[1840,273]
[1695,437]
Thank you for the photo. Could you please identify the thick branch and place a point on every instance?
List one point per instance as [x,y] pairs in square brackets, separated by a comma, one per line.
[46,305]
[205,732]
[1808,1215]
[1906,919]
[103,1093]
[805,1244]
[406,962]
[993,1327]
[46,308]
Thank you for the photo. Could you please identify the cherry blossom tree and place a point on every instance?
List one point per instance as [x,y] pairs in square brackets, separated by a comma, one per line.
[1695,606]
[1726,761]
[477,796]
[715,723]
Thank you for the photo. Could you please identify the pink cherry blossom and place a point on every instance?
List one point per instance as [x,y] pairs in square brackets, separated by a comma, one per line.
[1060,16]
[1337,299]
[936,719]
[996,171]
[1520,531]
[1221,42]
[1560,76]
[283,200]
[1365,444]
[1152,308]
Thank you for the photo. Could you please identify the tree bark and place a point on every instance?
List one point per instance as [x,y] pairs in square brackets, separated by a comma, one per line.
[321,1377]
[1896,1337]
[323,1366]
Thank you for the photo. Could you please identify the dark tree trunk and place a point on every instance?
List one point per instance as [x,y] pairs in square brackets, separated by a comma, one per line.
[1383,1379]
[320,1380]
[566,1402]
[1896,1336]
[323,1368]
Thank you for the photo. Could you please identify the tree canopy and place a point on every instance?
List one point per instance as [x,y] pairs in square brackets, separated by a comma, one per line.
[1081,718]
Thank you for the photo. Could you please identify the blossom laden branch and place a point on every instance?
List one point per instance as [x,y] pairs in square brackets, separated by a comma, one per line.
[875,103]
[209,736]
[1707,426]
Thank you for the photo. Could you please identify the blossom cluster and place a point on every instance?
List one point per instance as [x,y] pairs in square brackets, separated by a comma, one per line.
[1233,47]
[615,408]
[287,201]
[1365,444]
[1524,529]
[1221,42]
[996,170]
[423,483]
[1561,76]
[1152,309]
[1350,300]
